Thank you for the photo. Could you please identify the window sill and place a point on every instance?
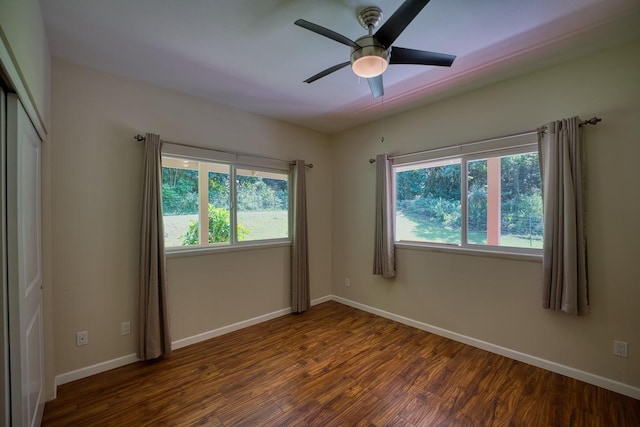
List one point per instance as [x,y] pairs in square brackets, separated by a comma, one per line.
[473,252]
[200,251]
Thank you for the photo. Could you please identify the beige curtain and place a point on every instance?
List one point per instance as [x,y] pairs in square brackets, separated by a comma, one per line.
[154,340]
[564,262]
[300,295]
[384,260]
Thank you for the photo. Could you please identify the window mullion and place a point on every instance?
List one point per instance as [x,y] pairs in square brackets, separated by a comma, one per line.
[233,219]
[464,184]
[290,204]
[493,201]
[203,203]
[394,212]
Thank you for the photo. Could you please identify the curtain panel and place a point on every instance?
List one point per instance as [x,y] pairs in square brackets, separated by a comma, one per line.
[565,284]
[384,260]
[300,293]
[154,339]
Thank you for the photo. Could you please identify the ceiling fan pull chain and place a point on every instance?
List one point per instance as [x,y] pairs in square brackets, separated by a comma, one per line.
[382,121]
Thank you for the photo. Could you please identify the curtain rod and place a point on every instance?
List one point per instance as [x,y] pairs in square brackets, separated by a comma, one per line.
[591,121]
[141,138]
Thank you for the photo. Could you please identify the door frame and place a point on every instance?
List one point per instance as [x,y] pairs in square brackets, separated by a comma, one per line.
[5,390]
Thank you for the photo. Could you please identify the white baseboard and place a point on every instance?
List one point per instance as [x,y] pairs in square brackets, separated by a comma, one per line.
[240,325]
[95,369]
[568,371]
[226,329]
[321,300]
[132,358]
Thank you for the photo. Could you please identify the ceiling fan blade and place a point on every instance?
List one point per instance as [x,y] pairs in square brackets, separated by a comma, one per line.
[326,32]
[326,72]
[402,17]
[401,55]
[375,84]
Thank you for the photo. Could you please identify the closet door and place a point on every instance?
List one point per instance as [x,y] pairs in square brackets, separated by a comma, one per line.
[24,267]
[5,402]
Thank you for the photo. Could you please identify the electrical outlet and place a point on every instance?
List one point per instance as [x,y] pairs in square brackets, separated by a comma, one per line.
[125,328]
[82,338]
[347,282]
[620,348]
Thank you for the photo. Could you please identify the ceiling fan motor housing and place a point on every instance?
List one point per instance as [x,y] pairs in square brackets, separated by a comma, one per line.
[371,58]
[370,17]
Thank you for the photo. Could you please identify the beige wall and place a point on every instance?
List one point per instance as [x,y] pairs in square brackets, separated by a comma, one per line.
[96,186]
[22,28]
[499,300]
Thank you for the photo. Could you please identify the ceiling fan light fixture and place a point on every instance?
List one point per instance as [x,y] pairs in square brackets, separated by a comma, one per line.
[369,66]
[370,60]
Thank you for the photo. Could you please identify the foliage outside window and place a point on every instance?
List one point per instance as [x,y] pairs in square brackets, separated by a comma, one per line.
[237,204]
[492,199]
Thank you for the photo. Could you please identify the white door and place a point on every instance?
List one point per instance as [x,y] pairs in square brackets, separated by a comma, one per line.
[24,268]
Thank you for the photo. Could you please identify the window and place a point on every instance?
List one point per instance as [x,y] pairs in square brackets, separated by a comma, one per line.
[487,199]
[239,204]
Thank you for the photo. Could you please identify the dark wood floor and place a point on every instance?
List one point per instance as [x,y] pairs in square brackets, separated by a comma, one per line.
[335,366]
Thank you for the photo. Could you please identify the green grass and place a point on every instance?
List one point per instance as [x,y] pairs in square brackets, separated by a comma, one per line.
[429,231]
[261,225]
[265,224]
[174,228]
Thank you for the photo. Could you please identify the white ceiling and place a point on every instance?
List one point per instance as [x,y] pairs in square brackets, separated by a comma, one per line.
[248,54]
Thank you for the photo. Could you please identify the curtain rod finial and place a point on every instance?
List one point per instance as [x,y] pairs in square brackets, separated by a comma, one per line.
[372,161]
[138,137]
[592,121]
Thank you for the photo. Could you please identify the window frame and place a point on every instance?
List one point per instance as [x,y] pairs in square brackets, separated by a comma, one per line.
[485,151]
[181,152]
[234,198]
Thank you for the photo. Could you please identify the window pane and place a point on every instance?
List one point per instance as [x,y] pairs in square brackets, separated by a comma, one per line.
[219,202]
[521,201]
[504,201]
[428,202]
[262,205]
[180,202]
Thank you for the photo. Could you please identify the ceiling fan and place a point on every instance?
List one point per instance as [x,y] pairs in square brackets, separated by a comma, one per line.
[371,54]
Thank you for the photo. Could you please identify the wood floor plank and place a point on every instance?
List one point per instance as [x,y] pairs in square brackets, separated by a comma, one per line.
[335,366]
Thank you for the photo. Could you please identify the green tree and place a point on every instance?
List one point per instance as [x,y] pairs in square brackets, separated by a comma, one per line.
[410,184]
[259,194]
[430,194]
[179,191]
[219,189]
[219,228]
[477,195]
